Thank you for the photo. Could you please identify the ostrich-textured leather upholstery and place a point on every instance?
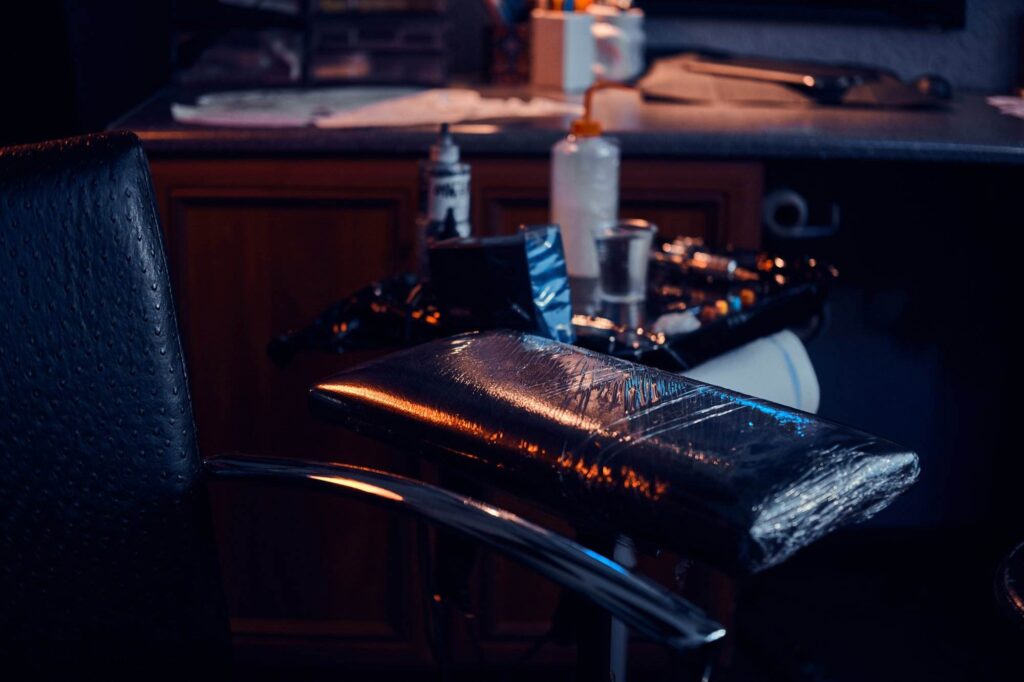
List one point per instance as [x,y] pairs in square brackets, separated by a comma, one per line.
[107,558]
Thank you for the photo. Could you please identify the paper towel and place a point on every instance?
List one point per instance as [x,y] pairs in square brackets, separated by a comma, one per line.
[775,368]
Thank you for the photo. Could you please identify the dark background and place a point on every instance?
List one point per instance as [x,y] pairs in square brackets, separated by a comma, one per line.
[921,345]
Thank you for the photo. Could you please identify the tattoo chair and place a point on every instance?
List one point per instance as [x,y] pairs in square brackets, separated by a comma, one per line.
[107,559]
[107,562]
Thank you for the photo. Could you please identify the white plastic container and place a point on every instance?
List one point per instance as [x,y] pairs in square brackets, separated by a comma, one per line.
[619,39]
[584,199]
[563,51]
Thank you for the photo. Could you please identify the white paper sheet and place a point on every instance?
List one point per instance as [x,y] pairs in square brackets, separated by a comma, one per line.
[360,107]
[1011,106]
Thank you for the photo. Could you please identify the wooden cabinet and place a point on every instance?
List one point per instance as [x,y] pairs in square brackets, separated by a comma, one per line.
[717,201]
[260,246]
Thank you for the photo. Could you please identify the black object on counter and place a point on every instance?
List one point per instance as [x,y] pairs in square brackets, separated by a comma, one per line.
[389,313]
[510,282]
[620,447]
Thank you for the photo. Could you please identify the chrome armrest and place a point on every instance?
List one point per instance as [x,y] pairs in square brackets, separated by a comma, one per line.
[641,604]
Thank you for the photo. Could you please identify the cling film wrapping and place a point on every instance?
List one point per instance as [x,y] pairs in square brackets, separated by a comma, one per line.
[626,448]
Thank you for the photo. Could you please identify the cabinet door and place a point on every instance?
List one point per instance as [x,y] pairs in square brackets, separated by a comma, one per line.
[720,202]
[256,248]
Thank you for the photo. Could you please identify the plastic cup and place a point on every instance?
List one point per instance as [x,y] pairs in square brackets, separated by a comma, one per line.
[623,253]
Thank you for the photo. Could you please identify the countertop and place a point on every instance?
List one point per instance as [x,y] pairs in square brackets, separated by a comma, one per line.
[969,131]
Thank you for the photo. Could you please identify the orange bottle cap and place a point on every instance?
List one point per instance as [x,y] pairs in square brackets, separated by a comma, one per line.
[585,127]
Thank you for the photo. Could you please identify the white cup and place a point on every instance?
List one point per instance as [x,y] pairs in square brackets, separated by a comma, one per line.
[619,39]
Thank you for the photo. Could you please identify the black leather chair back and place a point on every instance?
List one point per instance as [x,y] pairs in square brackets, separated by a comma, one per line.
[107,558]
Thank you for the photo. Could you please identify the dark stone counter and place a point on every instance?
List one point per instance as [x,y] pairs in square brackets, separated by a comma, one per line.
[968,131]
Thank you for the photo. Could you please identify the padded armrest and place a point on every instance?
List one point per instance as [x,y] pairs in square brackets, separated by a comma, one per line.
[643,605]
[737,481]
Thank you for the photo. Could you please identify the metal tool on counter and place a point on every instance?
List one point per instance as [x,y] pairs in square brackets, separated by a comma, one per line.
[716,76]
[691,256]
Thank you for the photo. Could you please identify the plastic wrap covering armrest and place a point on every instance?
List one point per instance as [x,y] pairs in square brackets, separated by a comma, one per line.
[741,482]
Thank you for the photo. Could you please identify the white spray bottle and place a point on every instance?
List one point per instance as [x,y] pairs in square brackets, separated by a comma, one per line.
[584,199]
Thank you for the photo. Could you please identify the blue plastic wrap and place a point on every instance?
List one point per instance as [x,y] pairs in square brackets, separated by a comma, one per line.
[626,448]
[549,281]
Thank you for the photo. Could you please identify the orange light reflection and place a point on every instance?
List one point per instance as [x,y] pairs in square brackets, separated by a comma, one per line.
[395,403]
[360,486]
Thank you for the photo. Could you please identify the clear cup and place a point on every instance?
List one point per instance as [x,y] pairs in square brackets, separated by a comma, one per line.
[623,253]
